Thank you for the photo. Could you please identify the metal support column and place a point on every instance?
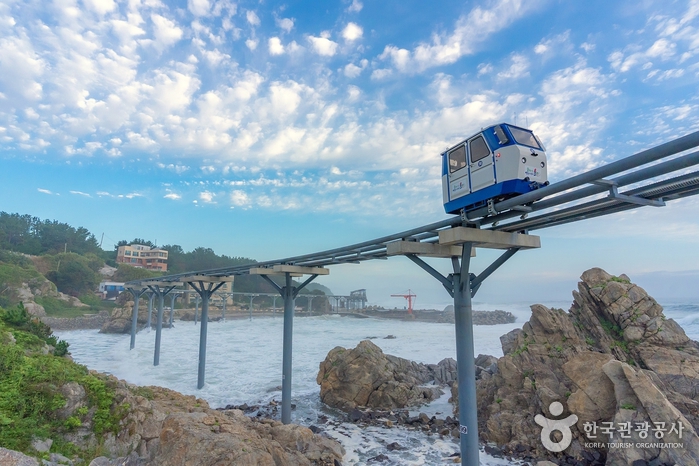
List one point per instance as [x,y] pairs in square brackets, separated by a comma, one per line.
[196,309]
[134,314]
[288,293]
[465,359]
[160,293]
[150,309]
[205,293]
[462,285]
[173,297]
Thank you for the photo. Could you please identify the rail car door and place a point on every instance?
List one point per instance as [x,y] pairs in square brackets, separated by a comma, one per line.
[481,161]
[458,173]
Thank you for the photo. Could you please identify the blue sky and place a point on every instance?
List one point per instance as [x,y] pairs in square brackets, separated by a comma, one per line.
[268,129]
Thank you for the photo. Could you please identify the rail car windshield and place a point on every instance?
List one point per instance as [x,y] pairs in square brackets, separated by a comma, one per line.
[457,159]
[524,137]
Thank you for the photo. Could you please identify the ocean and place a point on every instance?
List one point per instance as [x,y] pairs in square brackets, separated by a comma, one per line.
[244,360]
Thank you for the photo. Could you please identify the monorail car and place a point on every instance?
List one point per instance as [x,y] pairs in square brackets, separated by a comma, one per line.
[496,163]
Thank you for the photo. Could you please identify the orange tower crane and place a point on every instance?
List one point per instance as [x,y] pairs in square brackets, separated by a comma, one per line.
[409,297]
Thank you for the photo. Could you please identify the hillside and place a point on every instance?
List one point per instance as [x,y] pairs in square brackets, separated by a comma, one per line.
[56,410]
[55,268]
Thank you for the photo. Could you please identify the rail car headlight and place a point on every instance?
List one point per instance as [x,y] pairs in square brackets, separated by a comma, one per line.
[524,160]
[542,164]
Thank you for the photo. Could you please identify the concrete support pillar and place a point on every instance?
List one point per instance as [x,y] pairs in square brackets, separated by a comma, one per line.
[251,298]
[223,309]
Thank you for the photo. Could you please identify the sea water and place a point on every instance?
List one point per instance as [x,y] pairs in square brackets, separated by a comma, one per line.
[244,360]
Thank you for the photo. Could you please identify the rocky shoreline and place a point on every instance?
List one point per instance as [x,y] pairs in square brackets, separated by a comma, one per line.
[86,322]
[614,361]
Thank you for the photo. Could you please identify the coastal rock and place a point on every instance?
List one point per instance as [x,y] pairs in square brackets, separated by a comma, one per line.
[15,458]
[641,401]
[120,319]
[366,377]
[613,357]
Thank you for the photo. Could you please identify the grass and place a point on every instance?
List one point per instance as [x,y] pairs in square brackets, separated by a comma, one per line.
[30,383]
[55,307]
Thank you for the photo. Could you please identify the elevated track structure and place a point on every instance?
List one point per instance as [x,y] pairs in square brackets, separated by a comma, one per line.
[651,178]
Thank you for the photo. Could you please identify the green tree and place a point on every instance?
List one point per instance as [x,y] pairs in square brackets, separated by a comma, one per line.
[127,273]
[73,275]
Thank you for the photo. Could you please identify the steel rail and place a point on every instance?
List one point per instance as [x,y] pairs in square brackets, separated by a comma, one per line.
[546,207]
[644,157]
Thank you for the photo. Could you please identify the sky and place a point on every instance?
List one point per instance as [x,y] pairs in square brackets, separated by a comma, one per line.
[267,129]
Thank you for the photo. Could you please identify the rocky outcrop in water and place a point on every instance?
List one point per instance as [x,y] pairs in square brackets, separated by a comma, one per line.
[613,358]
[366,377]
[120,319]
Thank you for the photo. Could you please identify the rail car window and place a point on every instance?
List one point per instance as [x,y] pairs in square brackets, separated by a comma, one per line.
[502,137]
[479,149]
[524,137]
[457,159]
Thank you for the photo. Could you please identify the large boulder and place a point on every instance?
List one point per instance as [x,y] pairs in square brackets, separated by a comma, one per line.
[366,377]
[613,351]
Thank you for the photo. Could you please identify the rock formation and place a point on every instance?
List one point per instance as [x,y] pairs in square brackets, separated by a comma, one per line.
[613,358]
[366,377]
[120,319]
[161,427]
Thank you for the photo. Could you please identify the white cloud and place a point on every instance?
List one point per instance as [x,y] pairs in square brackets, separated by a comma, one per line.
[275,46]
[352,71]
[207,197]
[352,32]
[252,18]
[251,44]
[381,73]
[555,45]
[80,193]
[173,196]
[177,168]
[46,191]
[323,45]
[285,24]
[469,31]
[355,7]
[101,7]
[239,198]
[20,68]
[484,68]
[518,68]
[199,7]
[166,32]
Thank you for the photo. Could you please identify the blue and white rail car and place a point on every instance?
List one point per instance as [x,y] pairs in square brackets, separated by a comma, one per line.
[496,163]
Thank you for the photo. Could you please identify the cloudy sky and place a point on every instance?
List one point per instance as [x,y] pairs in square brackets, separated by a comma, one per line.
[266,129]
